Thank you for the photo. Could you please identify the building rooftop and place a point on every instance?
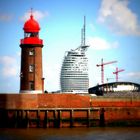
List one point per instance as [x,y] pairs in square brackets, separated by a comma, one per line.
[31,25]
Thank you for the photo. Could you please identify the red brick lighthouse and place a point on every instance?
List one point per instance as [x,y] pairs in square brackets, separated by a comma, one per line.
[31,80]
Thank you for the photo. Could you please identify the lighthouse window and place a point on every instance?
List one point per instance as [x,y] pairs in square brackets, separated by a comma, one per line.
[33,34]
[31,85]
[26,35]
[31,68]
[31,52]
[30,35]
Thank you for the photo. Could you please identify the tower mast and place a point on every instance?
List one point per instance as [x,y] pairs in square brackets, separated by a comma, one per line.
[83,33]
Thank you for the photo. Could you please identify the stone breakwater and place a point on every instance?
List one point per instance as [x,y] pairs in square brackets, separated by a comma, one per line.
[68,110]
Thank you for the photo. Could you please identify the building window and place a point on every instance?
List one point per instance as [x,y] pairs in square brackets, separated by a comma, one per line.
[31,85]
[31,52]
[31,68]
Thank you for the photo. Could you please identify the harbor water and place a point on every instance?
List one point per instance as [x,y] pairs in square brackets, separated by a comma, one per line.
[95,133]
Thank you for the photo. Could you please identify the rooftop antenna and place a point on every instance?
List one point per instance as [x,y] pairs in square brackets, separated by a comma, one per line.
[83,33]
[31,13]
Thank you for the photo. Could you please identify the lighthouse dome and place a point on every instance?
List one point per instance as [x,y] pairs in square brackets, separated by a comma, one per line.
[31,25]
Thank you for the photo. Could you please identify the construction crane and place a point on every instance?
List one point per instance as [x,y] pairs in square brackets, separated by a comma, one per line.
[102,68]
[116,72]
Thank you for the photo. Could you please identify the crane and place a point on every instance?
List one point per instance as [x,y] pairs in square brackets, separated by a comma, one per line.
[102,68]
[117,71]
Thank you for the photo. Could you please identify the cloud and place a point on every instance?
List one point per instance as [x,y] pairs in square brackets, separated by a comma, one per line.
[98,43]
[9,66]
[134,75]
[119,17]
[5,17]
[38,15]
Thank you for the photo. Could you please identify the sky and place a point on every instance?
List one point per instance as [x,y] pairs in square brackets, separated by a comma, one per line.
[112,32]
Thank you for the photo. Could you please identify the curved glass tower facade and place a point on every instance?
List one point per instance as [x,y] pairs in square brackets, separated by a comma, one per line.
[74,71]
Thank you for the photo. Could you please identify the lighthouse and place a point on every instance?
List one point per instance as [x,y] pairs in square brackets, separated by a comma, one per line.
[31,80]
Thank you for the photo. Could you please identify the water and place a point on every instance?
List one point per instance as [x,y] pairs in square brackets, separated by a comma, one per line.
[117,133]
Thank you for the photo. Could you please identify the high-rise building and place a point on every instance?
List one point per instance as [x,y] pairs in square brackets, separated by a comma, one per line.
[74,70]
[31,80]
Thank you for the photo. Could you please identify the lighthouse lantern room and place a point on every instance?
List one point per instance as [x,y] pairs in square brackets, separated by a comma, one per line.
[31,80]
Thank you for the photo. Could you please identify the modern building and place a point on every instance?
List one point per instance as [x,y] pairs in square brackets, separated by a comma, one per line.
[115,88]
[31,80]
[74,70]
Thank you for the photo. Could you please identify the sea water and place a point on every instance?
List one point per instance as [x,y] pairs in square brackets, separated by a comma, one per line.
[96,133]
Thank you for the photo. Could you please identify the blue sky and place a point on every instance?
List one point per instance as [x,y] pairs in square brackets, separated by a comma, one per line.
[112,31]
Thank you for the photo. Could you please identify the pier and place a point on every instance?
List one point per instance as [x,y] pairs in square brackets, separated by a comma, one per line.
[67,110]
[54,117]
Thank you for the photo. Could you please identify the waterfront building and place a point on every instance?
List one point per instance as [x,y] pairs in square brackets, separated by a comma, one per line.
[74,70]
[116,89]
[31,80]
